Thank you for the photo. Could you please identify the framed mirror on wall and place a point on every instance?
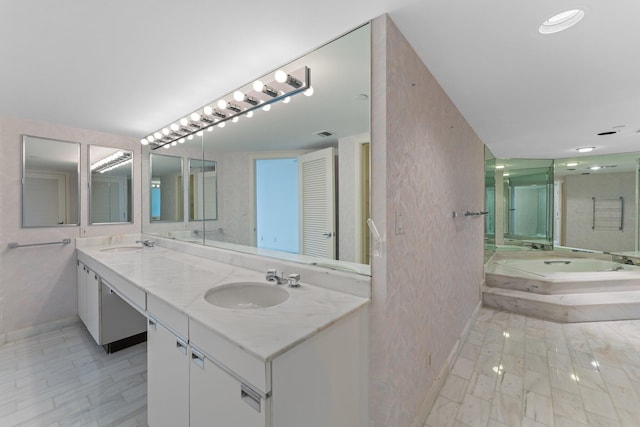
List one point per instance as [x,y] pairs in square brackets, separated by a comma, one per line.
[203,184]
[50,182]
[166,188]
[110,185]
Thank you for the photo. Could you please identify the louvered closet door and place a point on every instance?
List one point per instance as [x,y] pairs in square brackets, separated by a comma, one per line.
[317,203]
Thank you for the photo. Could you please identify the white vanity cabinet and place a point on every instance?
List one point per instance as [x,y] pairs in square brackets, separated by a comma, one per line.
[89,299]
[167,377]
[106,315]
[218,398]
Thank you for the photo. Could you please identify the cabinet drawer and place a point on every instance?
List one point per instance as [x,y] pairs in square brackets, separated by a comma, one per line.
[250,369]
[177,321]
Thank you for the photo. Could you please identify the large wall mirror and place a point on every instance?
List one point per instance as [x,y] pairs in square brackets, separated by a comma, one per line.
[260,165]
[590,204]
[166,188]
[110,185]
[50,184]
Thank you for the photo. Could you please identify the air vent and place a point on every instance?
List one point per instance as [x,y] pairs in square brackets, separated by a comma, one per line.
[324,133]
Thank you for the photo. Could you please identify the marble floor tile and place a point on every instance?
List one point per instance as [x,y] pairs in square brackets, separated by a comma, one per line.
[534,373]
[62,378]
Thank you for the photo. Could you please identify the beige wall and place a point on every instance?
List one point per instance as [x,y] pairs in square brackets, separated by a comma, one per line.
[426,162]
[37,284]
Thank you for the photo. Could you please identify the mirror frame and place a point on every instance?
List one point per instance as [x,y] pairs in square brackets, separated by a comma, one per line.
[202,162]
[23,182]
[90,185]
[155,221]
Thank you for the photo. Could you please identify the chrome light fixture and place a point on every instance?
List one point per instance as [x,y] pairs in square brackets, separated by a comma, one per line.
[115,160]
[243,102]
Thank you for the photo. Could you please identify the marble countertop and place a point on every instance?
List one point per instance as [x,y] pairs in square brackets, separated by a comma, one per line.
[181,280]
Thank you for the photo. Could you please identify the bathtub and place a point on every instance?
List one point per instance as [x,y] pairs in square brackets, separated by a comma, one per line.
[551,275]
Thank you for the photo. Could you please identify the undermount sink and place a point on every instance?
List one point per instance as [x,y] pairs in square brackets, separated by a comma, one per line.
[246,295]
[121,249]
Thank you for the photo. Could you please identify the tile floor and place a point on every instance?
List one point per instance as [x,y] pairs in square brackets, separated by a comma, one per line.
[512,371]
[62,378]
[516,371]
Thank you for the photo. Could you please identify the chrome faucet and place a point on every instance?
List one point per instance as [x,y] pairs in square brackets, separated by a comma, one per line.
[272,276]
[294,281]
[148,243]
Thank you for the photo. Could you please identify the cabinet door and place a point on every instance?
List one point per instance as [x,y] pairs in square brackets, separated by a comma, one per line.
[218,399]
[81,271]
[168,378]
[93,305]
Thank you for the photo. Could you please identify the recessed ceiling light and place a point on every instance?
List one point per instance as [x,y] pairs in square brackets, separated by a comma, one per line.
[506,174]
[572,164]
[594,168]
[585,149]
[499,166]
[561,21]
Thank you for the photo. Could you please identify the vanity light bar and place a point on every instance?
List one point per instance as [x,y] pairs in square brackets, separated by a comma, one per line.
[241,102]
[112,161]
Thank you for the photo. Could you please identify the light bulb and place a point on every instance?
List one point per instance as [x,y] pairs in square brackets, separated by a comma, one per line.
[157,135]
[166,146]
[181,140]
[221,124]
[238,96]
[286,100]
[222,104]
[208,110]
[235,119]
[165,131]
[144,141]
[258,86]
[210,129]
[200,133]
[249,114]
[174,143]
[119,154]
[281,76]
[175,127]
[195,117]
[190,137]
[266,107]
[150,138]
[309,91]
[184,121]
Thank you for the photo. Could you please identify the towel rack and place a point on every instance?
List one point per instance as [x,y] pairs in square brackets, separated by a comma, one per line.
[14,245]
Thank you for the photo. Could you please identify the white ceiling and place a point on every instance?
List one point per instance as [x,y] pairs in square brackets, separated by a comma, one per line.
[130,67]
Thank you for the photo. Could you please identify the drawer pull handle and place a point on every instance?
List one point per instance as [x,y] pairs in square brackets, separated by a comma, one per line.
[181,346]
[250,397]
[197,358]
[152,323]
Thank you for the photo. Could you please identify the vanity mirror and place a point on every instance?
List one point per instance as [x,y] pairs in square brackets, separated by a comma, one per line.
[50,184]
[332,124]
[110,185]
[166,188]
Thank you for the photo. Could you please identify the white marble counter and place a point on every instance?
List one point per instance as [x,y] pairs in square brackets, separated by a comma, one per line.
[181,280]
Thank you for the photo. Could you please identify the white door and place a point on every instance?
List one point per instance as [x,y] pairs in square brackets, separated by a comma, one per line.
[317,203]
[45,202]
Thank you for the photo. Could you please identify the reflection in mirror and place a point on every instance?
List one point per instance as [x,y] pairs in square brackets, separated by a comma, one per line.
[596,206]
[523,197]
[490,197]
[203,182]
[166,188]
[110,185]
[50,191]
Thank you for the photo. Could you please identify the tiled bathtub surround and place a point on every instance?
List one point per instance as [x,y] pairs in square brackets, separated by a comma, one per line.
[519,371]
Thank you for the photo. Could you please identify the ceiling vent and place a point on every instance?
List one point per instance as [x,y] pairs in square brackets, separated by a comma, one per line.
[324,133]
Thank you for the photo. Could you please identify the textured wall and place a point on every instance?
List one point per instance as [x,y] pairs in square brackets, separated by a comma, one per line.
[426,163]
[38,285]
[578,211]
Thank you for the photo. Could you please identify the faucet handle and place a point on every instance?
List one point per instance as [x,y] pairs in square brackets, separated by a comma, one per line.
[272,275]
[294,280]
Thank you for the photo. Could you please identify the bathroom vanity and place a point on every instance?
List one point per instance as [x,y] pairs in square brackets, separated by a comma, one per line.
[302,361]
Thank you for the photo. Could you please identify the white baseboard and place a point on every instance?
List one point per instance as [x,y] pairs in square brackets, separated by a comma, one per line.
[38,329]
[430,399]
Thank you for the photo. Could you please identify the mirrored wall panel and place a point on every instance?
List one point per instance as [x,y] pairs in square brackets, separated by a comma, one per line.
[110,185]
[203,183]
[166,188]
[50,184]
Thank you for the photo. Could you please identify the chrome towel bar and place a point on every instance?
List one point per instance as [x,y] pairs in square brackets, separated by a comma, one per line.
[14,245]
